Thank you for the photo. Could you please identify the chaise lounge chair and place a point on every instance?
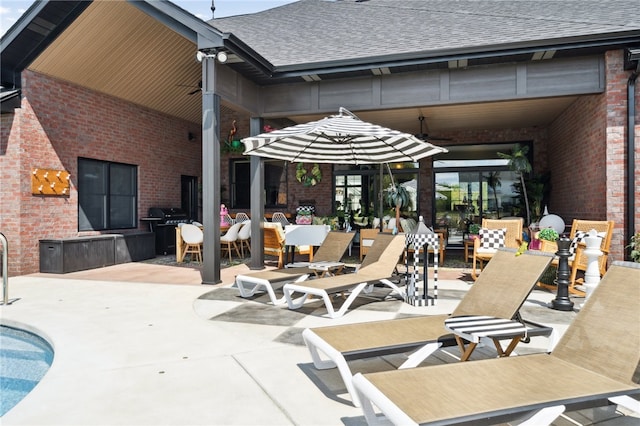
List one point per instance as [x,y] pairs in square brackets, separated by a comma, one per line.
[500,291]
[595,360]
[378,266]
[332,249]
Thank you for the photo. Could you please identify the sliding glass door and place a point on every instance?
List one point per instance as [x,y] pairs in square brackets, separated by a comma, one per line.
[465,197]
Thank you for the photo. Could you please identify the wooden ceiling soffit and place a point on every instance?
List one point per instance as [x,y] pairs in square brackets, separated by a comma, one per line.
[116,49]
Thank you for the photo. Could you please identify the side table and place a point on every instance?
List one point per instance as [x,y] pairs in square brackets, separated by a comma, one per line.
[468,250]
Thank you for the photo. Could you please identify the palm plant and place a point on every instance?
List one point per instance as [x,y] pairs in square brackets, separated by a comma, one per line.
[493,180]
[519,163]
[397,197]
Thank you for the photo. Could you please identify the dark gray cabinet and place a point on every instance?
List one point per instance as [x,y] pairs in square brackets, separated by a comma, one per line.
[60,256]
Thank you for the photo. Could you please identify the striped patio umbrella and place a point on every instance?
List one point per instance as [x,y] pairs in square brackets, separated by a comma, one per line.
[339,139]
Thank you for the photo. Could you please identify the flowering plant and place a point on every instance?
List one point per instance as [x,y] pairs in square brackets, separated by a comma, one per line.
[548,234]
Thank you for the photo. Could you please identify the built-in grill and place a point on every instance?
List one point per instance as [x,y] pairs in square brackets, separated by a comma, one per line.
[163,223]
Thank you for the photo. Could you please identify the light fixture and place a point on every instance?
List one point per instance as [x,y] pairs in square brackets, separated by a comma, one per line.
[200,56]
[222,57]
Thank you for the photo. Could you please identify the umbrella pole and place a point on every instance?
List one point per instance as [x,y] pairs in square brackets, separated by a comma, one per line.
[381,205]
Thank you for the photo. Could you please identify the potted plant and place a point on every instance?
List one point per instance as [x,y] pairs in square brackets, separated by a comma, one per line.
[548,238]
[634,245]
[398,198]
[474,231]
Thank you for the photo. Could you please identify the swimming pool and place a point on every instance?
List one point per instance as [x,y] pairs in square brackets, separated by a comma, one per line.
[24,360]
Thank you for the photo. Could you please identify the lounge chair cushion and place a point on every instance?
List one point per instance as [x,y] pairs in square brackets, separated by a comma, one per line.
[492,238]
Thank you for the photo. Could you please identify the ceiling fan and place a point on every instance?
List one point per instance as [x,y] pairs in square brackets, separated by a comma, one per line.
[425,136]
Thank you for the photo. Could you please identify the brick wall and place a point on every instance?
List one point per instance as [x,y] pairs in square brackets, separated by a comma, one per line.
[588,155]
[58,123]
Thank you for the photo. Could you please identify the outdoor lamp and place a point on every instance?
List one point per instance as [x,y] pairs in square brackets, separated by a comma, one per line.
[222,57]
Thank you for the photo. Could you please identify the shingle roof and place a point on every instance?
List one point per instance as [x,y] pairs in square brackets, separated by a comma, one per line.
[320,31]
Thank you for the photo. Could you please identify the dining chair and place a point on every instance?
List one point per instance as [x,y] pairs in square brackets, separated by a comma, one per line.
[241,217]
[280,218]
[244,236]
[230,240]
[274,241]
[228,219]
[193,238]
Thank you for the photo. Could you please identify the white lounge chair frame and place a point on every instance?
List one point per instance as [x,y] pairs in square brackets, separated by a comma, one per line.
[580,370]
[386,248]
[332,249]
[419,348]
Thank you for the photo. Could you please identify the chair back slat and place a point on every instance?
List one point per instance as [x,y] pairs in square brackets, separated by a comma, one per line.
[367,237]
[333,247]
[241,217]
[383,255]
[505,274]
[281,218]
[605,336]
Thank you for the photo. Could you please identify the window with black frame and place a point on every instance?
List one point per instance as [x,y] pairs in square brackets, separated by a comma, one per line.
[107,195]
[275,183]
[357,188]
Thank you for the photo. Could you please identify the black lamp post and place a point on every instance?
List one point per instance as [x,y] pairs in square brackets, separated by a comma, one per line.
[562,301]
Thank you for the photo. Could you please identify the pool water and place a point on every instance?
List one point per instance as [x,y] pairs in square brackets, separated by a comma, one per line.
[24,360]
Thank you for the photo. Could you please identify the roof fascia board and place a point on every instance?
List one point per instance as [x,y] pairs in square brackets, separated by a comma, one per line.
[201,33]
[22,23]
[416,58]
[180,21]
[9,101]
[11,69]
[240,48]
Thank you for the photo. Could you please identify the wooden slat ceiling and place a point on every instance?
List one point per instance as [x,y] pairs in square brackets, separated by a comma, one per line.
[116,49]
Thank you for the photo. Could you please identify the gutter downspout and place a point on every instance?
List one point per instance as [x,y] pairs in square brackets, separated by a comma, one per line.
[631,122]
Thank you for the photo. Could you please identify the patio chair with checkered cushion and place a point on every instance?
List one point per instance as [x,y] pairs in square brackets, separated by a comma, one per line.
[494,234]
[578,261]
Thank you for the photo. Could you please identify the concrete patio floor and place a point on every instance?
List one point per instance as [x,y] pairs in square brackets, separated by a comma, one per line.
[147,344]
